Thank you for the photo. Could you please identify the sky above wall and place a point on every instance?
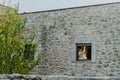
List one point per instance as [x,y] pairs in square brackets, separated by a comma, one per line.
[42,5]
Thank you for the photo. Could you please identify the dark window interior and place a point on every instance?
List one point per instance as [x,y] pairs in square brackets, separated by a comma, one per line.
[80,46]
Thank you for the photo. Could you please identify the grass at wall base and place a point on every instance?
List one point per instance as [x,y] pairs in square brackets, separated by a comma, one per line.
[13,43]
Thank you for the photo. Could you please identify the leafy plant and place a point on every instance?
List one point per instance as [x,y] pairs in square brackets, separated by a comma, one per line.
[30,46]
[13,44]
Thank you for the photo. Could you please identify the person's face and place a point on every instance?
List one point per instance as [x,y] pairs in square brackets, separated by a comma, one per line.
[80,50]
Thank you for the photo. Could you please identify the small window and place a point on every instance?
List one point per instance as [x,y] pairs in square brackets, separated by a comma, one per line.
[83,51]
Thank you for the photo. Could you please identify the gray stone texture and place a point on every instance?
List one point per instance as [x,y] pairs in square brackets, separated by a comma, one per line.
[57,30]
[52,77]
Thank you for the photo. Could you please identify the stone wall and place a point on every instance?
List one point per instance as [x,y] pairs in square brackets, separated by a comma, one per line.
[52,77]
[57,30]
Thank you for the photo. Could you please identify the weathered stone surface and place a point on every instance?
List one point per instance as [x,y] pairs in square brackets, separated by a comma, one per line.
[52,77]
[57,30]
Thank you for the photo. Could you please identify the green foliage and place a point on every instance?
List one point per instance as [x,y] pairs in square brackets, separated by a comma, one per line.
[30,47]
[13,44]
